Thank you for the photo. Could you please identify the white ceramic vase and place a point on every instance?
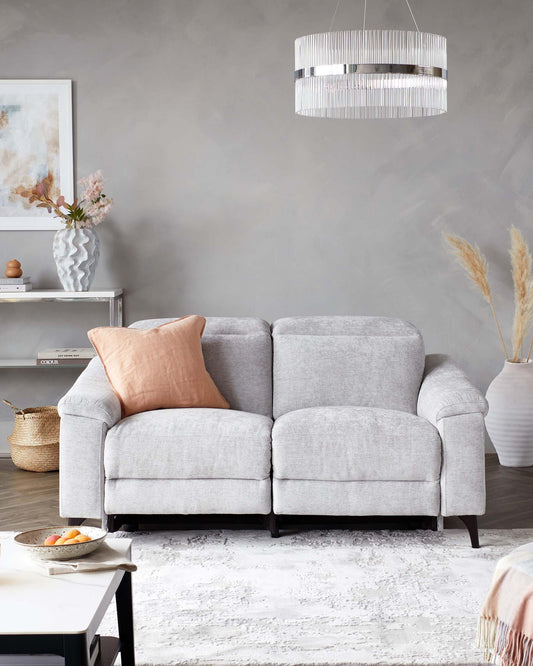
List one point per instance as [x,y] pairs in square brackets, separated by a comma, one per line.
[510,418]
[76,253]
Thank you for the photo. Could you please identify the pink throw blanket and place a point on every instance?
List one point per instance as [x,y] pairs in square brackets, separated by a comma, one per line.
[505,628]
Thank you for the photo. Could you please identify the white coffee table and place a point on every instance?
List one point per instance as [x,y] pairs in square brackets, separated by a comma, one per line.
[41,614]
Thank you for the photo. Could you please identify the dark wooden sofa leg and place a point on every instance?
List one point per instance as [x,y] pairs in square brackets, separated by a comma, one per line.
[471,526]
[113,523]
[130,527]
[274,525]
[73,522]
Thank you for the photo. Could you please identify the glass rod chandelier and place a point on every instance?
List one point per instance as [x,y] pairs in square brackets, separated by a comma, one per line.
[361,74]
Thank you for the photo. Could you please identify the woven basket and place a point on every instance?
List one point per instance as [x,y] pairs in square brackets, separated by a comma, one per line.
[34,441]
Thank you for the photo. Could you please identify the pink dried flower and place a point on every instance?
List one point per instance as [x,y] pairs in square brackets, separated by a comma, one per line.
[89,211]
[93,186]
[95,203]
[97,211]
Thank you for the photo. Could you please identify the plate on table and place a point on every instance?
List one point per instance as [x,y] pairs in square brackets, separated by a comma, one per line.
[32,542]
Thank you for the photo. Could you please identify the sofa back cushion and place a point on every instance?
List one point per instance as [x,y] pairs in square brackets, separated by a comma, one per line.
[358,361]
[238,356]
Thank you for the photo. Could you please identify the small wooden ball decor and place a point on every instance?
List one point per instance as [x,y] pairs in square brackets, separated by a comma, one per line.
[13,269]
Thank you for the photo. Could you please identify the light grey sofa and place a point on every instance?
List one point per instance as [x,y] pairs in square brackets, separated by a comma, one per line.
[341,416]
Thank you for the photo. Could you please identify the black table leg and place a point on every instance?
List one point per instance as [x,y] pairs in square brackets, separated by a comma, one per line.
[75,650]
[125,620]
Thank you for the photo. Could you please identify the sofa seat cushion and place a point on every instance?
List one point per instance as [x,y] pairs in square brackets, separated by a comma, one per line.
[189,444]
[355,444]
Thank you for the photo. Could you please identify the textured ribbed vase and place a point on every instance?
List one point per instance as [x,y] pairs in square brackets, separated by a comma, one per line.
[76,253]
[510,418]
[371,74]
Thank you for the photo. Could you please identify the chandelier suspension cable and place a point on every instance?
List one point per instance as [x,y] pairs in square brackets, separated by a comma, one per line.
[334,15]
[412,16]
[364,15]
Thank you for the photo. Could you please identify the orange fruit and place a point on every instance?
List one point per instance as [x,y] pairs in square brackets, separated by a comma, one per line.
[71,534]
[81,538]
[51,539]
[60,541]
[69,541]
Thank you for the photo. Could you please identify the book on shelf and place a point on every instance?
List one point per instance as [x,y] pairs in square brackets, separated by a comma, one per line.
[11,288]
[11,281]
[63,361]
[67,352]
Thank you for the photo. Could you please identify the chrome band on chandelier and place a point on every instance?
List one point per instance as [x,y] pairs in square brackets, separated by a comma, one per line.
[369,68]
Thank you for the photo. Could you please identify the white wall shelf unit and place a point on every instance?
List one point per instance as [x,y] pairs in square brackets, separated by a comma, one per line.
[111,296]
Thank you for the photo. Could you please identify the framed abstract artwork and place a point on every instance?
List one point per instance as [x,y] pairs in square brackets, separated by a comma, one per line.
[35,143]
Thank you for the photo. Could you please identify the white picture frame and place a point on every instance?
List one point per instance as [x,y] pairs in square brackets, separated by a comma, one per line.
[35,136]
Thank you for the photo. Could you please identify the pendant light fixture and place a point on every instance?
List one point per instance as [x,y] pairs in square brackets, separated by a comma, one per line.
[361,74]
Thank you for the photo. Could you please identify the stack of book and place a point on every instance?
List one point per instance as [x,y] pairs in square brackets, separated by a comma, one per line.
[15,284]
[66,356]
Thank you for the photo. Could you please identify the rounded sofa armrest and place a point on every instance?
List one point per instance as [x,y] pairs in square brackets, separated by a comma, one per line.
[447,391]
[91,396]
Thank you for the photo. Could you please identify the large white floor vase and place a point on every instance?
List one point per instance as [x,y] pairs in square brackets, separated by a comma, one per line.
[510,418]
[76,253]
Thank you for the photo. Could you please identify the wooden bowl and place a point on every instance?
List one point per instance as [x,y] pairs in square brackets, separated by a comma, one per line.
[32,543]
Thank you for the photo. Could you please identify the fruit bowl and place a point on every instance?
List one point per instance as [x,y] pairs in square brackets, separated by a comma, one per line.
[32,543]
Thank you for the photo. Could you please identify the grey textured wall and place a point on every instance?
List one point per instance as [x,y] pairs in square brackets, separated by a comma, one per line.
[228,204]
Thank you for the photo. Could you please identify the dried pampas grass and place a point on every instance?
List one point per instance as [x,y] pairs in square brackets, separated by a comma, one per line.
[476,266]
[470,258]
[523,292]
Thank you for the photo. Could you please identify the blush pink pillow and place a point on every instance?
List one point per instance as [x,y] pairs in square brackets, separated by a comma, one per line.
[159,368]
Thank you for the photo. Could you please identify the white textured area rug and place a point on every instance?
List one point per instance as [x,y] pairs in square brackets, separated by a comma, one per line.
[323,597]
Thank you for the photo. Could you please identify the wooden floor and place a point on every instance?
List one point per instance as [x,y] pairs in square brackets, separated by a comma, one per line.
[29,499]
